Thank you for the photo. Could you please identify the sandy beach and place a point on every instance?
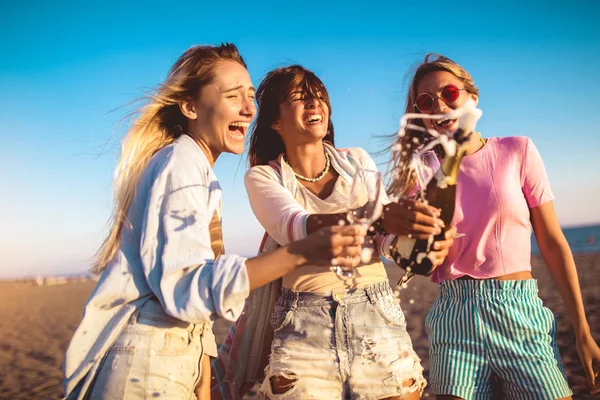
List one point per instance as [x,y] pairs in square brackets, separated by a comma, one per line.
[36,323]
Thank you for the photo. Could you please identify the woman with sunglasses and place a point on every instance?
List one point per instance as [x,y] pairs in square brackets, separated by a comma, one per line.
[488,319]
[332,337]
[146,329]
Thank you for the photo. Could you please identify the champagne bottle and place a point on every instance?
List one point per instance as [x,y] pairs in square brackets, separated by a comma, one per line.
[414,254]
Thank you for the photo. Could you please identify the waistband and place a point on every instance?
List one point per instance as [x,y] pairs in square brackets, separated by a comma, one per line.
[370,293]
[152,313]
[489,288]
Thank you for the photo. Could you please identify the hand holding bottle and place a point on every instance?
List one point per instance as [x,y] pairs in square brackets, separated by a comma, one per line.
[411,218]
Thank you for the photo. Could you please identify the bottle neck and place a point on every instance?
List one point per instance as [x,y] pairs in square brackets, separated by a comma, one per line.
[451,166]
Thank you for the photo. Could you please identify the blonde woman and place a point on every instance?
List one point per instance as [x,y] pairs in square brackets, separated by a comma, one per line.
[147,325]
[488,319]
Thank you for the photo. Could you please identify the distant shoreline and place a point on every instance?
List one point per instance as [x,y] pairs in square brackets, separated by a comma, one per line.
[586,225]
[578,237]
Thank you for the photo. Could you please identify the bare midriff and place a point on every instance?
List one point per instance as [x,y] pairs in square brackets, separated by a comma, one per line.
[515,276]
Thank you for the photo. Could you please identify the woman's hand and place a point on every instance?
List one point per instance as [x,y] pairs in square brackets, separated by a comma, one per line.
[589,354]
[332,245]
[441,247]
[411,218]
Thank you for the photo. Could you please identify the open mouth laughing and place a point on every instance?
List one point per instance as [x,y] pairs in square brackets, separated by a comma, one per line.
[312,119]
[445,123]
[239,129]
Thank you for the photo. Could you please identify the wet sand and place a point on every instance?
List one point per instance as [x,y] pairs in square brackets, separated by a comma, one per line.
[36,323]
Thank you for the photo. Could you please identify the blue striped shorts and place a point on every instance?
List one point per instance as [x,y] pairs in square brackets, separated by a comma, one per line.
[480,328]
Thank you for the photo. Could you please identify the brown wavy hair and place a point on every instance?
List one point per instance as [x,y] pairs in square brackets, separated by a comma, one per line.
[276,87]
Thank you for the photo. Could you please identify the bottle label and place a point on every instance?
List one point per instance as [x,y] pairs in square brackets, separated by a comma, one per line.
[404,246]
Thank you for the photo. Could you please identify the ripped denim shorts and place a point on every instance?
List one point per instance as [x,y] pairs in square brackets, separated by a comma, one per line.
[352,344]
[156,356]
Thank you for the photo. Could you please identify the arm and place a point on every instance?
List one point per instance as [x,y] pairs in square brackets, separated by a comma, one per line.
[274,206]
[556,253]
[558,257]
[285,220]
[175,248]
[178,262]
[334,245]
[278,211]
[406,217]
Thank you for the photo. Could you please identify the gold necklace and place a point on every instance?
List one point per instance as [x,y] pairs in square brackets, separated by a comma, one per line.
[483,141]
[321,175]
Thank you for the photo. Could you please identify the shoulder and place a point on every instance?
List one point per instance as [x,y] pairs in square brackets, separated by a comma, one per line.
[512,142]
[183,160]
[355,154]
[262,172]
[516,146]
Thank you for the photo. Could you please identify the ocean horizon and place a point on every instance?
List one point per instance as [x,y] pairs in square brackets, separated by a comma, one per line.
[581,239]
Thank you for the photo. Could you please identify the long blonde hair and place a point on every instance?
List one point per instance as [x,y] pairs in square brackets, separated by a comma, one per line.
[402,177]
[158,124]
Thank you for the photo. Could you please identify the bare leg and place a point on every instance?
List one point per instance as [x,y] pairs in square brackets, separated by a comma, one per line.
[202,390]
[416,395]
[280,385]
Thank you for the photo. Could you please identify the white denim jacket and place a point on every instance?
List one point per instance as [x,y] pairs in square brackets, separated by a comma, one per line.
[165,252]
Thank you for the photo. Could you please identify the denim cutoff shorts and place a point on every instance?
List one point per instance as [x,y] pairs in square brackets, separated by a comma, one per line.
[352,344]
[156,356]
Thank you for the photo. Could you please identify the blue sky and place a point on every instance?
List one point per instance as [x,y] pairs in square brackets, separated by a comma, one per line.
[70,71]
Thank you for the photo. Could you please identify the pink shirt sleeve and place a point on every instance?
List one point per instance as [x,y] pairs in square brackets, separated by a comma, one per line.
[535,183]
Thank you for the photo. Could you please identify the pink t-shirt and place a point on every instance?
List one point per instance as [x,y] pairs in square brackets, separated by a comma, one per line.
[496,188]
